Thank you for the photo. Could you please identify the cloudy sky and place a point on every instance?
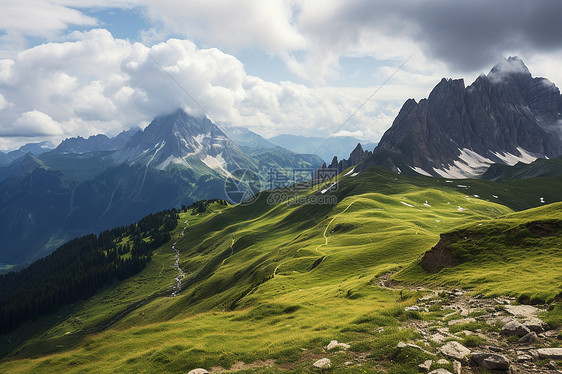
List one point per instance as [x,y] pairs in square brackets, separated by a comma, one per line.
[82,67]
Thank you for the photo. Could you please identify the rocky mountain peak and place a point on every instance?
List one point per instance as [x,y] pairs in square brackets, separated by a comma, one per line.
[512,66]
[505,117]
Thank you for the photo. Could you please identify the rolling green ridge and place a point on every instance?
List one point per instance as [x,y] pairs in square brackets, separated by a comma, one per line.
[279,281]
[519,255]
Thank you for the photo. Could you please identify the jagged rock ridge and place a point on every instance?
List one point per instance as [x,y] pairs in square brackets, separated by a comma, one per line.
[504,117]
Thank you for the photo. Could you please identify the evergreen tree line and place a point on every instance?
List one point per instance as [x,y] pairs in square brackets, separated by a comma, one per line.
[81,267]
[201,205]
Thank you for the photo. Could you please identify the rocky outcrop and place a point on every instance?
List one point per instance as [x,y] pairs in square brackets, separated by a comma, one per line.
[503,117]
[490,361]
[357,156]
[439,257]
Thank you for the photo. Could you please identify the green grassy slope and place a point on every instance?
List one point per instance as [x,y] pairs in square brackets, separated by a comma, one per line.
[519,254]
[272,281]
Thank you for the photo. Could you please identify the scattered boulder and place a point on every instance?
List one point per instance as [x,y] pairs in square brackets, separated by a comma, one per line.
[459,321]
[535,324]
[442,362]
[198,371]
[401,345]
[455,350]
[440,371]
[491,361]
[323,363]
[527,311]
[529,338]
[552,365]
[424,368]
[437,338]
[550,353]
[457,367]
[524,357]
[514,327]
[334,344]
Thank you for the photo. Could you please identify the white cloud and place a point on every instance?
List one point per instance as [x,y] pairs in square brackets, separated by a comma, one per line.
[3,102]
[33,122]
[357,134]
[94,83]
[40,17]
[231,24]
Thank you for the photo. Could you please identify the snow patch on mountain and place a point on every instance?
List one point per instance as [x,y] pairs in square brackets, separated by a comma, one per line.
[216,163]
[511,159]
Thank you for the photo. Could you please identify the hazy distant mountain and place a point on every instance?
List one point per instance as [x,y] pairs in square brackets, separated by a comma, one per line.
[176,160]
[95,143]
[357,156]
[33,148]
[248,140]
[504,117]
[338,146]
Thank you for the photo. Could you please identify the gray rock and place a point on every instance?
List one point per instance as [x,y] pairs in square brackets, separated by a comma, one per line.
[524,357]
[515,328]
[424,368]
[552,365]
[455,350]
[457,367]
[550,353]
[437,338]
[529,338]
[535,324]
[198,371]
[334,344]
[491,361]
[527,311]
[323,363]
[442,362]
[440,371]
[459,321]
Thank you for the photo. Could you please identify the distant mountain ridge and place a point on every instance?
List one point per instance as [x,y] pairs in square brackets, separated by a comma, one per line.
[85,187]
[96,143]
[357,156]
[504,117]
[326,148]
[32,148]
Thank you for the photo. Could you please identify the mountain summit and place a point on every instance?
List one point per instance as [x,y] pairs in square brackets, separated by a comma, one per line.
[504,117]
[183,140]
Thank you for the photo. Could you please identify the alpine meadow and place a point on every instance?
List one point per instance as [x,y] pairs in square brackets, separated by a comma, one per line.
[251,187]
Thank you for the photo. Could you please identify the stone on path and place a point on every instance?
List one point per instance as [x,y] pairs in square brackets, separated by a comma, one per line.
[514,327]
[198,371]
[550,353]
[334,344]
[491,361]
[424,368]
[323,363]
[455,350]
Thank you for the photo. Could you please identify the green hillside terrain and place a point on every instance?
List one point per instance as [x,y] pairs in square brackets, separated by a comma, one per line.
[268,285]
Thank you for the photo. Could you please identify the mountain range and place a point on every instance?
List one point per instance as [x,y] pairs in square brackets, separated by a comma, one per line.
[87,185]
[35,149]
[504,117]
[326,148]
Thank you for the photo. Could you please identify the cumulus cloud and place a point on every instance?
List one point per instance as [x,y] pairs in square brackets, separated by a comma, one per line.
[466,35]
[33,123]
[95,83]
[40,17]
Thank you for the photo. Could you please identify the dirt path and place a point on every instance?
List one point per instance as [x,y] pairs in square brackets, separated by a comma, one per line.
[181,274]
[480,324]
